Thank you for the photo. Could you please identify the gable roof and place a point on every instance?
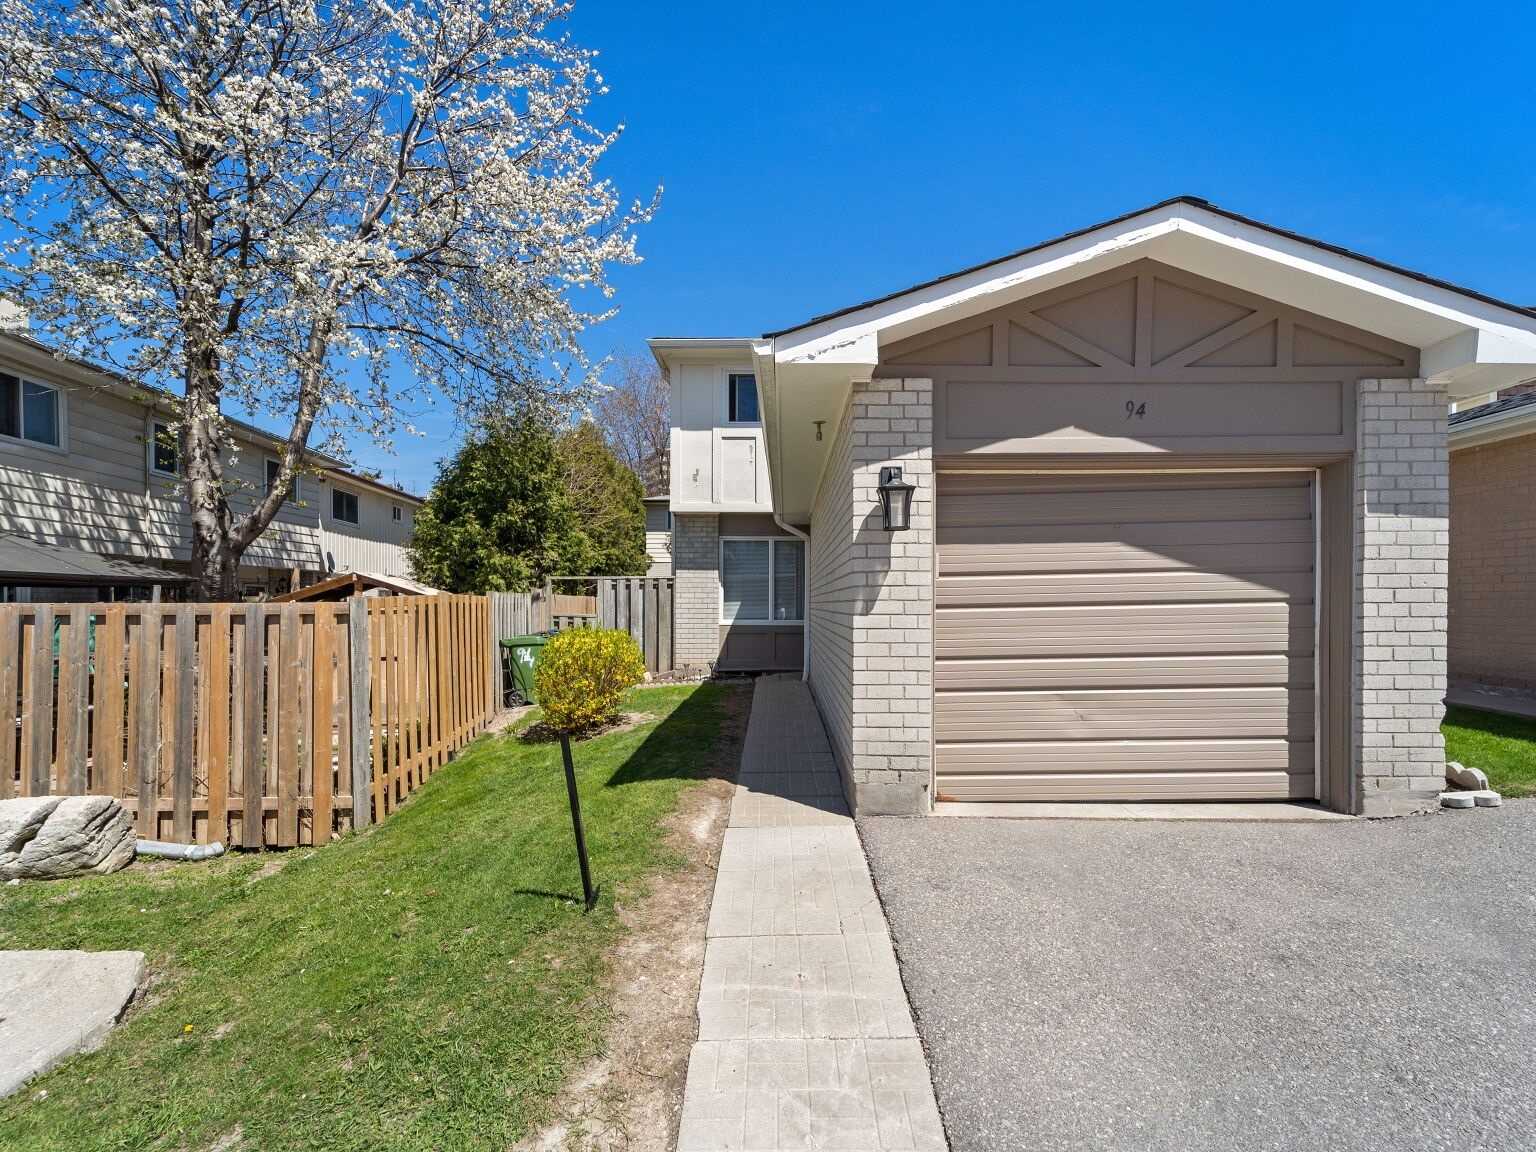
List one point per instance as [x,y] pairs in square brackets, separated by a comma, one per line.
[1194,201]
[1506,406]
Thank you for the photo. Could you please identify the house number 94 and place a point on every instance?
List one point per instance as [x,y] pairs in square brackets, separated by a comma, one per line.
[1132,408]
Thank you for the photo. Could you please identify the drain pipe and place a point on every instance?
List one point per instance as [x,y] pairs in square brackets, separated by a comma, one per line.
[805,639]
[163,851]
[805,636]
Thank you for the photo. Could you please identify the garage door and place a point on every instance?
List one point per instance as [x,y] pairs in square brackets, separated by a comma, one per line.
[1124,637]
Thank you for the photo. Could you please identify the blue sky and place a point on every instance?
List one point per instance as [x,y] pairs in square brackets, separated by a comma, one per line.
[817,154]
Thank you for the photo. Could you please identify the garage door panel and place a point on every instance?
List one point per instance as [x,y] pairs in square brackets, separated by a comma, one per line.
[1122,587]
[1124,672]
[1152,537]
[1129,787]
[1122,630]
[1078,507]
[1213,713]
[996,556]
[1075,757]
[1124,637]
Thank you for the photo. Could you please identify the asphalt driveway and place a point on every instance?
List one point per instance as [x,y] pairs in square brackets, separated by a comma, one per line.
[1193,986]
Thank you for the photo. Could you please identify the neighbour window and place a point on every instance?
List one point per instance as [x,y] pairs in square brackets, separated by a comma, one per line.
[273,468]
[344,506]
[762,581]
[29,411]
[394,513]
[164,450]
[742,398]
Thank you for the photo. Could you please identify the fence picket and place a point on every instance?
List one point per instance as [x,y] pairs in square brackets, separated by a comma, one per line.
[215,665]
[10,619]
[186,721]
[146,722]
[322,742]
[253,771]
[361,723]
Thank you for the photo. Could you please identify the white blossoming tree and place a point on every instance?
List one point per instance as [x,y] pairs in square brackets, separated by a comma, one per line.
[295,205]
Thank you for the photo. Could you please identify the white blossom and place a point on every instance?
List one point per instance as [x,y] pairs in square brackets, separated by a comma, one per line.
[272,203]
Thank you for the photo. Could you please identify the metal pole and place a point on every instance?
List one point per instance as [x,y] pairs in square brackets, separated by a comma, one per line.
[589,893]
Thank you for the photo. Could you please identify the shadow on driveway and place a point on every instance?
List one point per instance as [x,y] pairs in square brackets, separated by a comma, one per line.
[1195,986]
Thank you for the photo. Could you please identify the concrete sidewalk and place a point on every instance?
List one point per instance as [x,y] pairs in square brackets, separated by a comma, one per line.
[805,1037]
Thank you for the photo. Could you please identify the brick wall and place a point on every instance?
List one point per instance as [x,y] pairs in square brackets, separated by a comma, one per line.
[1493,563]
[696,589]
[1401,540]
[872,600]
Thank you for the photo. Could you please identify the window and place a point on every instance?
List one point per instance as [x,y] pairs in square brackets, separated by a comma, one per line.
[344,506]
[762,581]
[273,468]
[29,411]
[394,513]
[164,450]
[741,398]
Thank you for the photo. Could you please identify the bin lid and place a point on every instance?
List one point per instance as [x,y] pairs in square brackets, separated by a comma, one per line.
[524,641]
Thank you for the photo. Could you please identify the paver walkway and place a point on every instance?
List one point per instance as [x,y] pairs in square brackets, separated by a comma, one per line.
[805,1037]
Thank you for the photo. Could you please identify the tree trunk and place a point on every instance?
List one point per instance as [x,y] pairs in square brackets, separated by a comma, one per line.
[215,556]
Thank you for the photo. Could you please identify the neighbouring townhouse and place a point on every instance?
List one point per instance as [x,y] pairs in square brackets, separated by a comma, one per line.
[89,507]
[658,535]
[1493,541]
[1156,510]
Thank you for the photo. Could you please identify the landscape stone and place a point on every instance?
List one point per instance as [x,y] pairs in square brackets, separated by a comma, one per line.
[47,837]
[55,1004]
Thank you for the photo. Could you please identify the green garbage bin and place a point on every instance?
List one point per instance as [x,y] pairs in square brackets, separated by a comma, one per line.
[520,656]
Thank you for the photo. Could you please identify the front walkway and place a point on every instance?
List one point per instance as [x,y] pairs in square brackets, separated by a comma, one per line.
[805,1037]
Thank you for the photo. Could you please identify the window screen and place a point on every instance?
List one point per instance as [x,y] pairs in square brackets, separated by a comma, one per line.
[344,505]
[788,579]
[163,454]
[40,413]
[744,579]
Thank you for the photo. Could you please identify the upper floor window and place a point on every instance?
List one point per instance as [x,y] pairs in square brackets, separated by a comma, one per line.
[741,398]
[164,449]
[394,513]
[344,506]
[29,410]
[273,468]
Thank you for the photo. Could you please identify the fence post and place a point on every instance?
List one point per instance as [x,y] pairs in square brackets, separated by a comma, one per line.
[362,744]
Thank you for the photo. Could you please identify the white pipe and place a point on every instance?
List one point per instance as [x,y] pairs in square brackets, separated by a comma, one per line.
[162,850]
[805,625]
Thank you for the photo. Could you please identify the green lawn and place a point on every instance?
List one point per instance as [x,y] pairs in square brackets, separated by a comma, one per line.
[428,984]
[1502,746]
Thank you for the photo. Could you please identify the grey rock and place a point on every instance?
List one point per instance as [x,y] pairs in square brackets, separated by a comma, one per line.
[1456,800]
[55,1004]
[1472,779]
[1487,798]
[47,837]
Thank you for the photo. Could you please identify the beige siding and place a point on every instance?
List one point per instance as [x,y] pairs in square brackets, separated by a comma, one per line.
[1493,563]
[376,543]
[658,540]
[1125,637]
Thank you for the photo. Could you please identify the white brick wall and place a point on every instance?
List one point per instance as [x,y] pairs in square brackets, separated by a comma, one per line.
[696,589]
[872,600]
[1402,502]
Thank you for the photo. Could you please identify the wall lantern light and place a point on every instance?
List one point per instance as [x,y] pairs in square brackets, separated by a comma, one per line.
[895,500]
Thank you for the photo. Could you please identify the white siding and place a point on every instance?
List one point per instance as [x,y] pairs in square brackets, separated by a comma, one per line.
[376,543]
[715,464]
[658,539]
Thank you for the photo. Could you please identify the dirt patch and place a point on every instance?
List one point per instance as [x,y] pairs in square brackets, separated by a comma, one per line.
[625,722]
[629,1099]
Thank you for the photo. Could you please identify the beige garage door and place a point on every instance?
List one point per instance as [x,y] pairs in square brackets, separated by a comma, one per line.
[1124,637]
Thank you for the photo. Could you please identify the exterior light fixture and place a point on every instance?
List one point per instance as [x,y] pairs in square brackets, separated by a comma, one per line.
[895,500]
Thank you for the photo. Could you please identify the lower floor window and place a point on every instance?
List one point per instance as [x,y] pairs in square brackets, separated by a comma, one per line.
[762,581]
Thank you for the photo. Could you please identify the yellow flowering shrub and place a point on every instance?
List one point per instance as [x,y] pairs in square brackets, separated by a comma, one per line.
[582,675]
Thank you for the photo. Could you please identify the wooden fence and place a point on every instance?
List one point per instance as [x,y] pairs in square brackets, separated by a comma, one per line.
[639,605]
[256,724]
